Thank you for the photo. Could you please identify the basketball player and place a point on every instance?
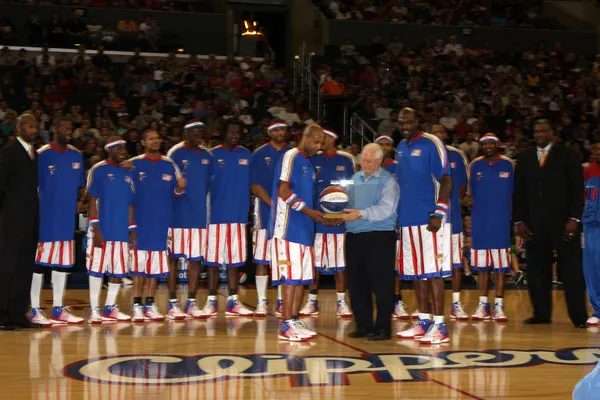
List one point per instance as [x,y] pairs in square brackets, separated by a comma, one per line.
[229,207]
[491,190]
[387,145]
[60,175]
[333,168]
[262,172]
[459,169]
[292,230]
[425,234]
[111,234]
[157,182]
[187,234]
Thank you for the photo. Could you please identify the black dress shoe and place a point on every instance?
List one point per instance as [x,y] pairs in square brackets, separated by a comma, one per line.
[28,325]
[378,336]
[358,334]
[537,321]
[582,325]
[9,328]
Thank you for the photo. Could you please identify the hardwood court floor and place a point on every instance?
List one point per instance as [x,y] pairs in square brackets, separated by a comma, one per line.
[237,358]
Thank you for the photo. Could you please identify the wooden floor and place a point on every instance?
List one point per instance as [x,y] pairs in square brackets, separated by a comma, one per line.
[237,358]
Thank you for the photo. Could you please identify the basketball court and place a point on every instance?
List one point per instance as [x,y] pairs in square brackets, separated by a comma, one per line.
[241,358]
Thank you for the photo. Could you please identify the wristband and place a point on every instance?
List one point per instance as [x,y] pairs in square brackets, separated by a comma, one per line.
[93,221]
[295,202]
[179,193]
[132,227]
[441,209]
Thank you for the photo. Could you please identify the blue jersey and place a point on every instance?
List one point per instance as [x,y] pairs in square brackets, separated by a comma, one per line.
[113,187]
[60,175]
[422,162]
[390,166]
[262,173]
[230,185]
[459,167]
[155,183]
[491,189]
[286,223]
[332,170]
[190,211]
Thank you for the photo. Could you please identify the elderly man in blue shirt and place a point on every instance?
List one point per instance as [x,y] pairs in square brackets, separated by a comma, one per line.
[371,245]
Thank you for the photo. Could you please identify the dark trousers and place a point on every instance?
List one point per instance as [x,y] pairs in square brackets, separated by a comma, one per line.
[370,268]
[15,286]
[539,270]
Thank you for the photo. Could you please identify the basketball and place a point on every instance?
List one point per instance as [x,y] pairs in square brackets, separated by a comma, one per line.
[333,200]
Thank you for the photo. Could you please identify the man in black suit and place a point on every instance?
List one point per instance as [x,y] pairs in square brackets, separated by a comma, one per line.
[548,204]
[18,224]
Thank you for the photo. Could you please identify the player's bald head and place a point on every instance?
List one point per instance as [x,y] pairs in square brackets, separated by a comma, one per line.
[313,129]
[313,139]
[27,127]
[26,118]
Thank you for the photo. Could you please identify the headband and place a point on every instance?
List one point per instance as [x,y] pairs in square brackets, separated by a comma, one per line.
[276,125]
[330,134]
[489,136]
[114,143]
[196,124]
[384,137]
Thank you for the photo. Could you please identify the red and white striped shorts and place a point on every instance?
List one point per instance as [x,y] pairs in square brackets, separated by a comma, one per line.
[424,254]
[58,254]
[330,253]
[153,264]
[291,263]
[491,259]
[189,243]
[457,250]
[261,247]
[226,245]
[112,259]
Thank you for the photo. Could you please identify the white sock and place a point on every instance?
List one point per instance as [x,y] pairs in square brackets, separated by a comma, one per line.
[312,297]
[113,291]
[261,286]
[438,319]
[455,297]
[95,289]
[498,300]
[483,299]
[211,297]
[59,280]
[36,288]
[232,297]
[341,296]
[423,316]
[279,295]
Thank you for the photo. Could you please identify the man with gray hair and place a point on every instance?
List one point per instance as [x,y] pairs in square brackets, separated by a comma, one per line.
[370,226]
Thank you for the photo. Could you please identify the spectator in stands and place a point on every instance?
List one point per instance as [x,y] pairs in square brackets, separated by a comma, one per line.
[127,26]
[45,56]
[55,31]
[94,29]
[470,147]
[149,32]
[332,87]
[389,126]
[76,27]
[35,29]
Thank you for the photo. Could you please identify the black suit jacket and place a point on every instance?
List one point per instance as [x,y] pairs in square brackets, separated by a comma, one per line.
[546,197]
[19,212]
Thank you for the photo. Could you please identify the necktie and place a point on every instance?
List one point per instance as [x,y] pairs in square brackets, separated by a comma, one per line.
[542,160]
[30,151]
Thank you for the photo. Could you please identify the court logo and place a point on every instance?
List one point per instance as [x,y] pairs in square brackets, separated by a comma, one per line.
[156,369]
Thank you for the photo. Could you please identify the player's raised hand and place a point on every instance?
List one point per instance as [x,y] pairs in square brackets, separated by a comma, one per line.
[435,223]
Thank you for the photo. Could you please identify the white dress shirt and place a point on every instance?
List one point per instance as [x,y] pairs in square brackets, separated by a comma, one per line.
[546,149]
[28,147]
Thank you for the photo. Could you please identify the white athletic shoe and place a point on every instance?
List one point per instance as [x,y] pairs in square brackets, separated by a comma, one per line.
[593,321]
[415,315]
[37,316]
[310,308]
[343,310]
[458,312]
[210,308]
[112,313]
[303,329]
[482,312]
[94,316]
[288,330]
[235,308]
[400,311]
[498,313]
[174,312]
[137,313]
[151,312]
[262,308]
[192,310]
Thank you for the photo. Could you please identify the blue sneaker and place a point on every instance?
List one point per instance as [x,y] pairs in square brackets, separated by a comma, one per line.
[437,333]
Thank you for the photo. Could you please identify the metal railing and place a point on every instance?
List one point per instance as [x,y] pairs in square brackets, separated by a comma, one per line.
[304,79]
[360,128]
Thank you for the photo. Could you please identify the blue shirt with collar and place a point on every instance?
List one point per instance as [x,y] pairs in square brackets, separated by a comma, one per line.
[376,196]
